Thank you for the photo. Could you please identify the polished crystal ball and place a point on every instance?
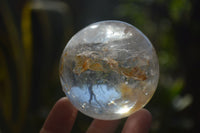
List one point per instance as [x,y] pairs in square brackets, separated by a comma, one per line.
[109,70]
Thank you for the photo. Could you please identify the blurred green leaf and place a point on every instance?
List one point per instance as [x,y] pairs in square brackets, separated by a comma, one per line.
[179,9]
[176,88]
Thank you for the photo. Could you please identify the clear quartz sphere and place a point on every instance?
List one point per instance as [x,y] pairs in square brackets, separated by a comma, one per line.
[109,70]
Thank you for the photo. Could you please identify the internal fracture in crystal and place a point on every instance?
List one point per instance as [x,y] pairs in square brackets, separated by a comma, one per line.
[109,70]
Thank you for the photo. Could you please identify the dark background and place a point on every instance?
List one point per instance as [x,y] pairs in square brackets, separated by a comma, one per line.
[33,35]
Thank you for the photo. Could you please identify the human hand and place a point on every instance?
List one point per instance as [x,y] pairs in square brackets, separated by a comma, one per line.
[62,117]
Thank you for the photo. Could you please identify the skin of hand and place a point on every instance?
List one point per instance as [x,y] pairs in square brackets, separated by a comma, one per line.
[62,117]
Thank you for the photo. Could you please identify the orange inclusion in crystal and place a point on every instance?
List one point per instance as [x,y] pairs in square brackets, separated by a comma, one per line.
[135,73]
[125,90]
[62,64]
[84,63]
[113,64]
[96,67]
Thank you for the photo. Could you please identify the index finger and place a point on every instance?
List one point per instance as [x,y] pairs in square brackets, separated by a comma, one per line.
[61,118]
[139,122]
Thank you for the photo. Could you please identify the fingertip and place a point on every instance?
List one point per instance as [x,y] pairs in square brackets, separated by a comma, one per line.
[139,122]
[103,126]
[61,118]
[146,115]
